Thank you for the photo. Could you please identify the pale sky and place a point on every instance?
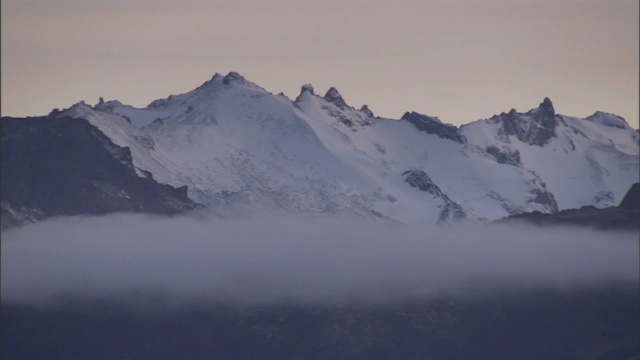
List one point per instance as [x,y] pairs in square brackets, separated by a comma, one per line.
[459,60]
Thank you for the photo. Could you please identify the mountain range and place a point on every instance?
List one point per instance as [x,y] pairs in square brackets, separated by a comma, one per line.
[230,144]
[233,148]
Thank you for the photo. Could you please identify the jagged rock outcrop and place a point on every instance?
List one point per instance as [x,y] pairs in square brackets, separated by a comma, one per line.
[450,211]
[544,198]
[432,125]
[535,127]
[365,109]
[504,156]
[334,97]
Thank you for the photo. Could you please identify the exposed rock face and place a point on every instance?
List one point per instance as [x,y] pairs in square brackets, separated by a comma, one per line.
[66,166]
[432,125]
[334,97]
[345,113]
[451,211]
[545,114]
[544,197]
[503,156]
[535,127]
[365,109]
[419,179]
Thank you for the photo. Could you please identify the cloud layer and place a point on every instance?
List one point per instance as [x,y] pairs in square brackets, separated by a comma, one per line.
[283,259]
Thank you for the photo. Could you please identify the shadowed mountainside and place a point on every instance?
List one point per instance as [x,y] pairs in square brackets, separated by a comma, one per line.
[66,166]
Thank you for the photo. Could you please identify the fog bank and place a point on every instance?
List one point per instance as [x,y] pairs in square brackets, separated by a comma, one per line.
[186,260]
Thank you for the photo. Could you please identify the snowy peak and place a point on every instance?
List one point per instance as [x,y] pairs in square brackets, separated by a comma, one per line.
[334,97]
[307,88]
[231,78]
[582,161]
[433,125]
[219,82]
[77,110]
[108,105]
[609,120]
[234,77]
[215,80]
[209,88]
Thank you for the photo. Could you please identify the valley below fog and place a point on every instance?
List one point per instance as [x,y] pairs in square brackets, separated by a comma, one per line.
[288,287]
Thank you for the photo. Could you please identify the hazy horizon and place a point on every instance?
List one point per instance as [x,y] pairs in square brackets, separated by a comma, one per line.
[460,61]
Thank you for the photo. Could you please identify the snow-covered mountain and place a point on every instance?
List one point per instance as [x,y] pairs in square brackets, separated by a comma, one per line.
[232,143]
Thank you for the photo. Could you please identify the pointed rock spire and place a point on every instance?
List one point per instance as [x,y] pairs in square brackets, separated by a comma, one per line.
[545,115]
[334,97]
[520,125]
[546,107]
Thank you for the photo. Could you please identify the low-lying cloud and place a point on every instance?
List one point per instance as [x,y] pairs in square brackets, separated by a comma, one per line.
[280,259]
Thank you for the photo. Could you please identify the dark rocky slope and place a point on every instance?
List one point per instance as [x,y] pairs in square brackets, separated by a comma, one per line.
[66,166]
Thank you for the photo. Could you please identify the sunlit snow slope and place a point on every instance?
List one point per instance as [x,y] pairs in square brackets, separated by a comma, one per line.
[233,143]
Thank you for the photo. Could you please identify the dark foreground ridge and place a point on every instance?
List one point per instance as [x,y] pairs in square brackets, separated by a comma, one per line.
[66,166]
[626,216]
[534,325]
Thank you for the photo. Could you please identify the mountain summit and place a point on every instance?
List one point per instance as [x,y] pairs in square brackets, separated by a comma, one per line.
[334,97]
[231,143]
